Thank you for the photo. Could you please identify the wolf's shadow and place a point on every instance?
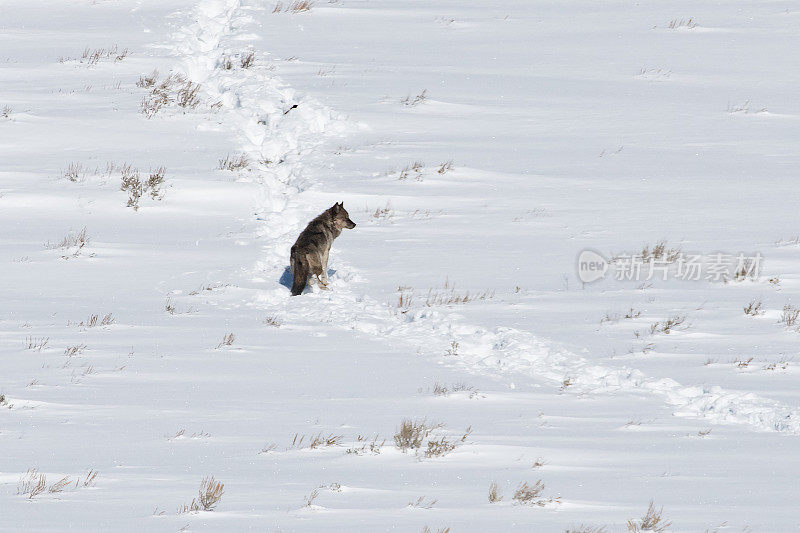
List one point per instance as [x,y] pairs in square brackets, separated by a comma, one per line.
[287,278]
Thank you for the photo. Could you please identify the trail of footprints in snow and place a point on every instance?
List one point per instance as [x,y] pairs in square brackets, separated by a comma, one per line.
[254,104]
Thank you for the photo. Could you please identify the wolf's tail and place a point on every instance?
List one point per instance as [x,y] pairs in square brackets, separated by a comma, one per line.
[300,271]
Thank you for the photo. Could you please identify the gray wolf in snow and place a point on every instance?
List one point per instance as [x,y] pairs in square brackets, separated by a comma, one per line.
[312,248]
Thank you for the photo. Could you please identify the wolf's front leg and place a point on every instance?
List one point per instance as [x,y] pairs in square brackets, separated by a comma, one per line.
[324,278]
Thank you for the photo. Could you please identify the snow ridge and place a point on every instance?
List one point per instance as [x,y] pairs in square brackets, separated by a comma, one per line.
[278,138]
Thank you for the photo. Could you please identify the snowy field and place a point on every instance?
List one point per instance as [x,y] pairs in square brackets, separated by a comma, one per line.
[158,160]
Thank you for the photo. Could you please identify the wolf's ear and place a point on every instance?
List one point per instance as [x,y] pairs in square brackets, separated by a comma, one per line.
[335,208]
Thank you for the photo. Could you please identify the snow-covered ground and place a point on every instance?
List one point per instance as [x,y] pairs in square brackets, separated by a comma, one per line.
[480,147]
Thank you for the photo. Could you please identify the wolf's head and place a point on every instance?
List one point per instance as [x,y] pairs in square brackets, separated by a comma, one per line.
[341,218]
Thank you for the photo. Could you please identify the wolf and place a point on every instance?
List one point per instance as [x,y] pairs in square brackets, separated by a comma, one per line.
[311,250]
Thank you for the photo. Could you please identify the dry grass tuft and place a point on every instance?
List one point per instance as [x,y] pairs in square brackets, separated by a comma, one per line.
[136,187]
[494,493]
[651,521]
[423,503]
[675,24]
[412,434]
[753,308]
[147,80]
[5,112]
[450,297]
[444,390]
[75,172]
[247,60]
[316,441]
[175,89]
[72,239]
[210,493]
[415,100]
[233,163]
[445,167]
[77,349]
[227,340]
[208,496]
[36,344]
[416,168]
[274,321]
[59,485]
[96,320]
[427,529]
[586,529]
[90,478]
[94,56]
[365,445]
[790,315]
[667,326]
[32,483]
[527,494]
[295,7]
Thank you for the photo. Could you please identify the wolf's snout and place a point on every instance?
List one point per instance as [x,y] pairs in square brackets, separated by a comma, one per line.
[350,224]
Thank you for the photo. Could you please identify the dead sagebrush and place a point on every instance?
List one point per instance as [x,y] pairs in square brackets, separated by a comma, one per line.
[651,521]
